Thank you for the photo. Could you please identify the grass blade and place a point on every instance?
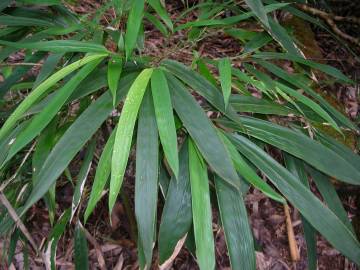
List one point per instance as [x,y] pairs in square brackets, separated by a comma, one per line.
[176,217]
[146,178]
[238,234]
[201,209]
[124,133]
[165,118]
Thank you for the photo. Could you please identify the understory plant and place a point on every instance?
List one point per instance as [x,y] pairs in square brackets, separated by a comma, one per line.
[85,92]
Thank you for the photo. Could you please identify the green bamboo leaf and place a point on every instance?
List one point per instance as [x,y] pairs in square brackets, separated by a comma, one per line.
[42,89]
[146,178]
[82,176]
[201,209]
[41,120]
[204,71]
[47,68]
[133,26]
[299,145]
[248,173]
[199,127]
[113,75]
[73,140]
[176,217]
[9,20]
[257,42]
[124,133]
[225,79]
[165,118]
[320,217]
[81,254]
[157,23]
[331,198]
[58,46]
[238,234]
[161,11]
[297,168]
[251,104]
[258,8]
[101,176]
[4,4]
[329,70]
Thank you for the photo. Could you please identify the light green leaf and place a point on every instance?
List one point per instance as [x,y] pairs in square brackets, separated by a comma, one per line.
[201,209]
[165,118]
[124,133]
[161,11]
[42,89]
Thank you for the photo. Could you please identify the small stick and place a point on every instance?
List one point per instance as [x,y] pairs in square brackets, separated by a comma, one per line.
[294,251]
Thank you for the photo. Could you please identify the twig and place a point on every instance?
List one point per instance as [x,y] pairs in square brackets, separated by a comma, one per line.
[4,201]
[330,20]
[294,251]
[20,64]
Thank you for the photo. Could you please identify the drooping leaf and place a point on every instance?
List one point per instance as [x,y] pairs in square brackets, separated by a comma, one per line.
[41,120]
[297,168]
[199,127]
[165,118]
[299,145]
[236,225]
[201,209]
[161,11]
[176,217]
[258,8]
[124,133]
[73,140]
[41,90]
[146,177]
[320,217]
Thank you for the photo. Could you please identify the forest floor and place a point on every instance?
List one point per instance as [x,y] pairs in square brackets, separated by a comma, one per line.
[116,242]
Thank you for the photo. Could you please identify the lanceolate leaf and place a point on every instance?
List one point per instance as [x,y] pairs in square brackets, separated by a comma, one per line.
[23,21]
[320,217]
[225,79]
[133,26]
[41,90]
[124,133]
[199,127]
[165,118]
[101,176]
[330,196]
[176,217]
[160,10]
[297,168]
[146,178]
[301,146]
[201,209]
[73,140]
[113,74]
[58,46]
[41,120]
[47,68]
[236,225]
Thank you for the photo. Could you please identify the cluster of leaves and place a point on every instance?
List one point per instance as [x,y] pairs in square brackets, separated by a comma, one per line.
[50,118]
